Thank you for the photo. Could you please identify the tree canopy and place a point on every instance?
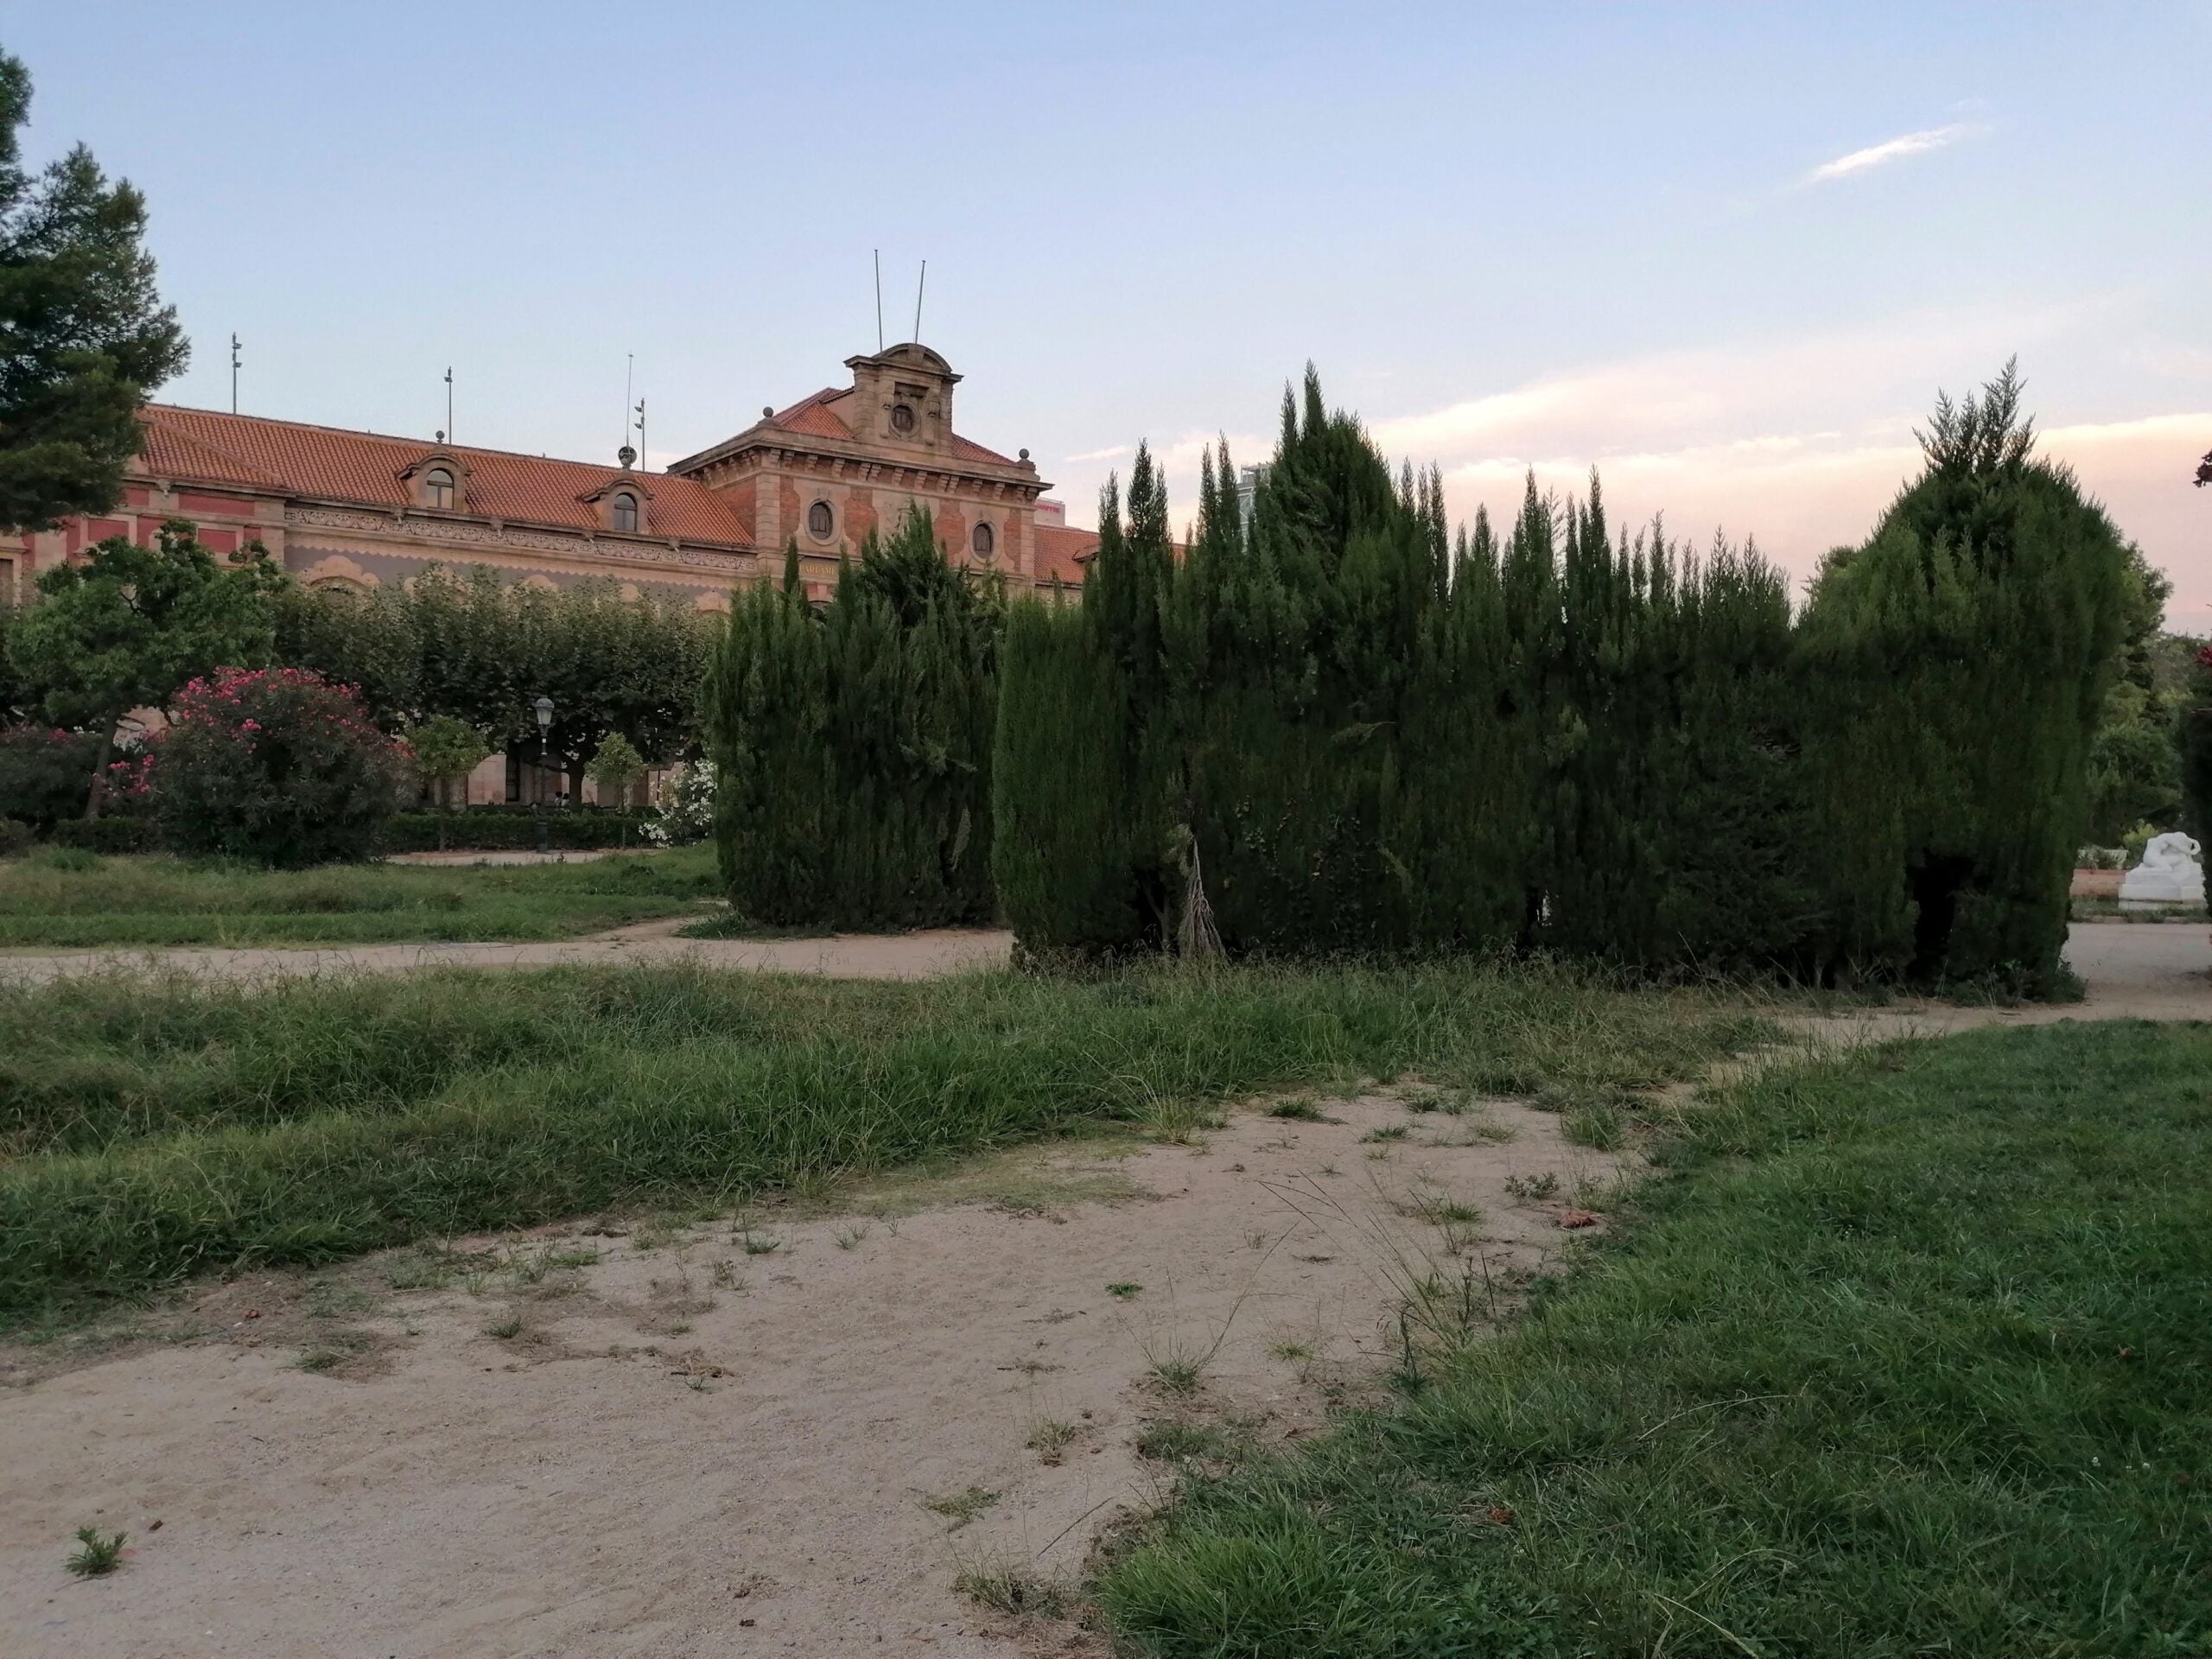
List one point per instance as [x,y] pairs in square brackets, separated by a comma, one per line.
[87,335]
[130,626]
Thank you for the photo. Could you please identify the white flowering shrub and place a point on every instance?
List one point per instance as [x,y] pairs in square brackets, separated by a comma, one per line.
[685,801]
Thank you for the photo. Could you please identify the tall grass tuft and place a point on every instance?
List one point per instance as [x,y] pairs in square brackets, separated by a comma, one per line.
[154,1129]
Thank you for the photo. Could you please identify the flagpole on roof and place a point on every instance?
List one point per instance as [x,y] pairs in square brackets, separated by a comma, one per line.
[234,372]
[879,301]
[449,436]
[917,300]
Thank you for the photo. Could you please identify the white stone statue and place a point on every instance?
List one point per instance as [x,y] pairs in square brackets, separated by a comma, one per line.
[2169,874]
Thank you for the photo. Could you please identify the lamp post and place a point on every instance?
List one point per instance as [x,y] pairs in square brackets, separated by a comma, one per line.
[544,707]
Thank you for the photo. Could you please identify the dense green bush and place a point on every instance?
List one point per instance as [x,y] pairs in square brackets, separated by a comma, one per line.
[16,838]
[275,764]
[853,744]
[1960,661]
[45,774]
[112,835]
[511,829]
[1335,726]
[2195,736]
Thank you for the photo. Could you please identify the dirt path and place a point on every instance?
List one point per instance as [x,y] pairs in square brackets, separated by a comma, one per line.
[2134,970]
[682,1448]
[664,1443]
[2129,970]
[842,956]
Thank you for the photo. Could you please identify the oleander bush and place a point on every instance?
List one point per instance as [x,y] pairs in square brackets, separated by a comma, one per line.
[276,766]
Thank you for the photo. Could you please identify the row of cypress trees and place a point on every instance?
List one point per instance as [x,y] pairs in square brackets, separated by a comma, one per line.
[853,742]
[1337,727]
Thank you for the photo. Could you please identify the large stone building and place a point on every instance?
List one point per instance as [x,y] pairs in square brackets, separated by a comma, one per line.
[363,509]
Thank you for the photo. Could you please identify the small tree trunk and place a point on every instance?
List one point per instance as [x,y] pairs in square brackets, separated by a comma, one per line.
[99,777]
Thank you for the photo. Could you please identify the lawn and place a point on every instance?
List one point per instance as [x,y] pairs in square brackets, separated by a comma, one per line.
[154,1129]
[58,900]
[1909,1355]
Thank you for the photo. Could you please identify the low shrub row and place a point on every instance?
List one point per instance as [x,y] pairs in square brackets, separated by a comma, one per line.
[512,829]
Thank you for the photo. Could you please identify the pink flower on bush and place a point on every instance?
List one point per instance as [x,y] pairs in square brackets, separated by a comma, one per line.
[275,764]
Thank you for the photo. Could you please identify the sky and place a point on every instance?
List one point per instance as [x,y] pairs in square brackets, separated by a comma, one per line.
[1725,255]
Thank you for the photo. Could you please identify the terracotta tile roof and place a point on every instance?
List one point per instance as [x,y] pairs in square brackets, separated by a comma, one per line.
[967,450]
[818,417]
[1064,553]
[329,464]
[814,416]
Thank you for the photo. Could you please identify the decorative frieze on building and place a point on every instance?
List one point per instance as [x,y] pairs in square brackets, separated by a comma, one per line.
[463,533]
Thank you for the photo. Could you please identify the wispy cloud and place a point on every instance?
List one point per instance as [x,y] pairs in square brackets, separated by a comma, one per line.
[1893,149]
[1113,451]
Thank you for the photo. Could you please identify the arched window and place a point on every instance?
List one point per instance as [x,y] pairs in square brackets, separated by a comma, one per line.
[437,488]
[821,523]
[625,515]
[983,541]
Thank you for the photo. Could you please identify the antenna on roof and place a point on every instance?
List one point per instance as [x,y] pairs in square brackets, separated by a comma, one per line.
[918,300]
[629,388]
[234,372]
[448,398]
[878,300]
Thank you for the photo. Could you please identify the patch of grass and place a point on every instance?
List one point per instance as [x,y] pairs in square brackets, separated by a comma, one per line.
[507,1329]
[1600,1127]
[727,924]
[1907,1357]
[1299,1111]
[1049,1437]
[1125,1291]
[154,1128]
[1530,1189]
[158,901]
[756,1245]
[961,1507]
[1014,1591]
[849,1237]
[1171,1440]
[98,1553]
[1388,1132]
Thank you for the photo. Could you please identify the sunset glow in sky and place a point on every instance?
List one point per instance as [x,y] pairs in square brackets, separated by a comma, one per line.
[1725,254]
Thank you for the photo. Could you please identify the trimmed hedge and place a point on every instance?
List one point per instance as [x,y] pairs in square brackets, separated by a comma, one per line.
[512,829]
[1331,728]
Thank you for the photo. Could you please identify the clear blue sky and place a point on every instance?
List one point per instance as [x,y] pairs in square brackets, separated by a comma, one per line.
[1726,254]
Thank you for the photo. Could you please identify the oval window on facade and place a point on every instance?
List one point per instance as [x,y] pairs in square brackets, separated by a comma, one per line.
[821,523]
[983,541]
[902,418]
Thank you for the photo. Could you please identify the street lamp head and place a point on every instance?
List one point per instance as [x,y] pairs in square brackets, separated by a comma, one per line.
[544,707]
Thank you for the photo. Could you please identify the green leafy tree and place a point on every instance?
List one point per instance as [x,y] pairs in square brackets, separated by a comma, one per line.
[87,335]
[616,769]
[18,696]
[447,750]
[129,626]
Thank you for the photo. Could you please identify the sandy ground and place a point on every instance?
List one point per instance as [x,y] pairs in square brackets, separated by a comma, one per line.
[2129,970]
[2153,970]
[841,955]
[635,1440]
[684,1448]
